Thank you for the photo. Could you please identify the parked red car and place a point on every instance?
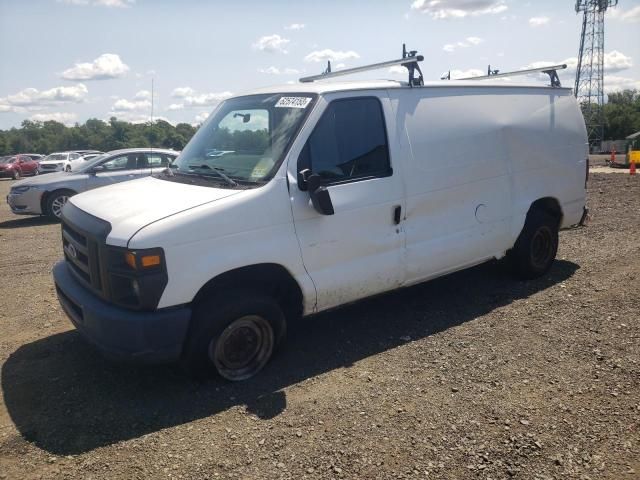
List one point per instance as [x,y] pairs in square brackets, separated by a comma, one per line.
[17,166]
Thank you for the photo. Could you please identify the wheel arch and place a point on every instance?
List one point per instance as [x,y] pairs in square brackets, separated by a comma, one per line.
[270,278]
[46,195]
[548,205]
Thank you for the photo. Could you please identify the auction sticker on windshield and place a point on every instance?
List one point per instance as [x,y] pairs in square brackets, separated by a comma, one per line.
[293,102]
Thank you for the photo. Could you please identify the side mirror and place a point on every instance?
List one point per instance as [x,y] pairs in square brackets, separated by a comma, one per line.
[97,169]
[320,197]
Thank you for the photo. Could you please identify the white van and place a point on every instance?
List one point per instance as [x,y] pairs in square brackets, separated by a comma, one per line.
[290,201]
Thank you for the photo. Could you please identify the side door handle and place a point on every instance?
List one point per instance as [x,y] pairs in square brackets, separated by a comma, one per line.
[397,214]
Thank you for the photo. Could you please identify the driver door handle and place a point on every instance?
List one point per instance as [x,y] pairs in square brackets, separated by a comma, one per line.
[397,214]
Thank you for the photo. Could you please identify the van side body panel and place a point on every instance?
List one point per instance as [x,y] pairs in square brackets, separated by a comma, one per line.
[480,157]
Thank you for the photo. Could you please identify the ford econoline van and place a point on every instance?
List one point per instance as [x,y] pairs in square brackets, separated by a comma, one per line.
[293,200]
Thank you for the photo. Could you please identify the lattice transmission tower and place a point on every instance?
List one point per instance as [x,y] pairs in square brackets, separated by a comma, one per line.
[589,87]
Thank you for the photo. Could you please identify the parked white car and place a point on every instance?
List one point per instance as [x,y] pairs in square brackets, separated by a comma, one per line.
[293,200]
[59,162]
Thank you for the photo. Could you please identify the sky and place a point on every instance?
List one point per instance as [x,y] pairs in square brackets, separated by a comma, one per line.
[70,60]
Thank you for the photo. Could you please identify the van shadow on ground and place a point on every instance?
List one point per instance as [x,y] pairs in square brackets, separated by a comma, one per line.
[30,221]
[66,399]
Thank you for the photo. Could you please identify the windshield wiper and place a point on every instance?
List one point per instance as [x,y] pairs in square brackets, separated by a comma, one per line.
[218,172]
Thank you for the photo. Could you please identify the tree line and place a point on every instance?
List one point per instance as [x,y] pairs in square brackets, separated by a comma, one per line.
[52,136]
[621,112]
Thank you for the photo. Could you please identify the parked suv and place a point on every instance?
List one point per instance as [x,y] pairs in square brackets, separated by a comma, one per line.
[59,162]
[17,166]
[290,201]
[47,194]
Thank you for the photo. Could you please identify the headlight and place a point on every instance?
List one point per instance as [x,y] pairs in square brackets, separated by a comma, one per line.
[18,190]
[137,278]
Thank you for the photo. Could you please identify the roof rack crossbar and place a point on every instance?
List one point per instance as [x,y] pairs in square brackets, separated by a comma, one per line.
[552,71]
[409,60]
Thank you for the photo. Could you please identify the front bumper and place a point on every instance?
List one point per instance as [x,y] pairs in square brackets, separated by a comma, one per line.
[27,203]
[50,168]
[119,333]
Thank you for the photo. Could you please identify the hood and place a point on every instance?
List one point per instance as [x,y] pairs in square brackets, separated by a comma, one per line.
[5,165]
[46,180]
[130,206]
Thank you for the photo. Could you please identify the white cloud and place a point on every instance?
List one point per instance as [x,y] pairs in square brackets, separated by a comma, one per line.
[62,117]
[34,99]
[182,92]
[632,15]
[467,42]
[271,43]
[201,117]
[104,67]
[124,105]
[328,54]
[614,83]
[206,99]
[278,71]
[538,21]
[439,9]
[191,98]
[101,3]
[143,95]
[295,26]
[475,40]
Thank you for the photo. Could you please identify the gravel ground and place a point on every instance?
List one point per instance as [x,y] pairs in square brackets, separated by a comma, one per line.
[473,375]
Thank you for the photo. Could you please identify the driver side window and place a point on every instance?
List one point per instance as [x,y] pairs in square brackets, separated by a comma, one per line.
[349,142]
[117,163]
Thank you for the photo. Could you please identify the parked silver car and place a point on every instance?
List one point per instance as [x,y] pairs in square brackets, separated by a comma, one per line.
[46,195]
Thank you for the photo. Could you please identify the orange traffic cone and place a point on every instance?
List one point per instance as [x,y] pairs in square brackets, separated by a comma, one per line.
[632,168]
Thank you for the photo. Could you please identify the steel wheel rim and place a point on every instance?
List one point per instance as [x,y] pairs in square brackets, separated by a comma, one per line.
[243,348]
[542,247]
[57,204]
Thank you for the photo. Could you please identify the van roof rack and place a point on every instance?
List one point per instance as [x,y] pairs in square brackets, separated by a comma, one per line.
[552,71]
[409,60]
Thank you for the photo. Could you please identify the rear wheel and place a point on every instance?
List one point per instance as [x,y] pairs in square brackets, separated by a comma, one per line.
[234,335]
[536,247]
[55,201]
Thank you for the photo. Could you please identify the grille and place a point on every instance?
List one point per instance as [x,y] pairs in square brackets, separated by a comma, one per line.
[81,254]
[48,167]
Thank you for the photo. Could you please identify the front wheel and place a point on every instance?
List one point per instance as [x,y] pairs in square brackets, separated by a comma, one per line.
[56,201]
[233,335]
[67,168]
[536,247]
[16,175]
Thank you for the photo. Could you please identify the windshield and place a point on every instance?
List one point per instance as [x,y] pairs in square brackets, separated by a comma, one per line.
[245,139]
[55,156]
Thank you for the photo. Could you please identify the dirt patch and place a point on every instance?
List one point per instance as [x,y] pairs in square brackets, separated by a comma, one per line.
[473,375]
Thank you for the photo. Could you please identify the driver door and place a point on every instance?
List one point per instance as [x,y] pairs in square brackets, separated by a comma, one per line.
[359,250]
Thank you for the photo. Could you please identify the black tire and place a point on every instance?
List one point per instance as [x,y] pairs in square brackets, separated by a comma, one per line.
[16,175]
[233,334]
[36,172]
[536,246]
[67,168]
[55,201]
